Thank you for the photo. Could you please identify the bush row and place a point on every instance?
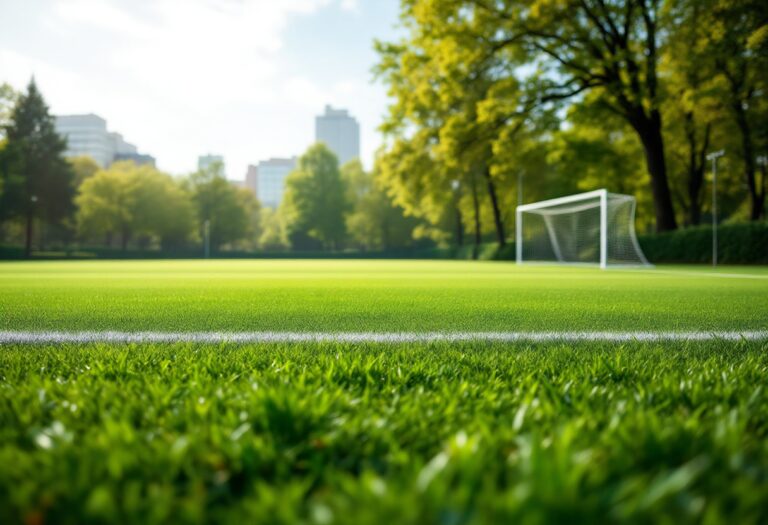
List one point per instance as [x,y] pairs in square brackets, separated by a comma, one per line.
[742,243]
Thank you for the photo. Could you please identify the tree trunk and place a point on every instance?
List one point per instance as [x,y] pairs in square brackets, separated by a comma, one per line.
[459,227]
[696,167]
[500,235]
[124,239]
[756,197]
[649,131]
[28,243]
[476,206]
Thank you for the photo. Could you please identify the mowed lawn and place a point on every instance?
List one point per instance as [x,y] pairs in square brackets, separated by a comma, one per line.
[322,433]
[383,296]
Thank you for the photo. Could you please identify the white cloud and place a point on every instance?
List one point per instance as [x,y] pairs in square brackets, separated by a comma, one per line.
[349,5]
[177,77]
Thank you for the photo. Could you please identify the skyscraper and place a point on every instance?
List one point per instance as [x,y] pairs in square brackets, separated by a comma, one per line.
[87,135]
[252,179]
[340,132]
[270,180]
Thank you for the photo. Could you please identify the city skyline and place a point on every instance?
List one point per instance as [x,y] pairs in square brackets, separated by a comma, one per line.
[250,92]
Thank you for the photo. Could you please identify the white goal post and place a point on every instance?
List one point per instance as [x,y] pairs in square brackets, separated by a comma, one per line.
[594,228]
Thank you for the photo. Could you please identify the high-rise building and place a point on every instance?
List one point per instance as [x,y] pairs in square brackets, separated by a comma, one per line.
[206,161]
[340,132]
[252,179]
[136,158]
[270,180]
[87,135]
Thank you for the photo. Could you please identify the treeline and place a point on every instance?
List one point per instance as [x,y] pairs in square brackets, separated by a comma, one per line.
[508,100]
[47,201]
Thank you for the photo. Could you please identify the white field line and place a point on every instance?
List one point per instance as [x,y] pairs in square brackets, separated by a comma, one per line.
[694,273]
[53,337]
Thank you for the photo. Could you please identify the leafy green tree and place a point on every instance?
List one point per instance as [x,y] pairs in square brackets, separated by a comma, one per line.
[106,204]
[8,99]
[439,81]
[315,202]
[273,234]
[163,208]
[84,168]
[250,204]
[135,201]
[737,39]
[37,181]
[374,222]
[217,203]
[568,48]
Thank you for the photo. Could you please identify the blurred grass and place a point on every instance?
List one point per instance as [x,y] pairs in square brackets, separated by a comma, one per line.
[382,296]
[332,433]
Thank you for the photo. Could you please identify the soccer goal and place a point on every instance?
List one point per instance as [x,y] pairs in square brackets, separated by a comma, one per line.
[596,227]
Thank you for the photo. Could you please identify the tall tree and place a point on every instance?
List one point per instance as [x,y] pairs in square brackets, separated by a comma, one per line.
[134,201]
[84,168]
[8,98]
[315,202]
[581,45]
[218,204]
[738,41]
[37,179]
[374,222]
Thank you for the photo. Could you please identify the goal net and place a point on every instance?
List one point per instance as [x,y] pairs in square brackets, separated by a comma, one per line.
[596,227]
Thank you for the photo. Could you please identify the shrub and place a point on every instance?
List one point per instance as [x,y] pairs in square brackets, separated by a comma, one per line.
[743,243]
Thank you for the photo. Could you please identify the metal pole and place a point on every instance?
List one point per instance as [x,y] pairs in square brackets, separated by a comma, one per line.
[207,238]
[713,157]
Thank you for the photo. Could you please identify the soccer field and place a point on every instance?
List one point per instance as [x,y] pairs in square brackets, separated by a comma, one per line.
[468,431]
[379,296]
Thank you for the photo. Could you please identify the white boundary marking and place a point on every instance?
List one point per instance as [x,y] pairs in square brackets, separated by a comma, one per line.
[54,337]
[695,273]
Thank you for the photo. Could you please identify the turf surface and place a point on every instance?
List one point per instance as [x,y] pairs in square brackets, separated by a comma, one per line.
[383,296]
[396,434]
[447,433]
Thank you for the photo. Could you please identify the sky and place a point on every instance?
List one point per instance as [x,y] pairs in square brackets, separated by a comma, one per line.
[182,78]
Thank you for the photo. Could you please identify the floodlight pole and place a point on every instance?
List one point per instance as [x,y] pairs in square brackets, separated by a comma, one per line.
[713,157]
[207,239]
[519,235]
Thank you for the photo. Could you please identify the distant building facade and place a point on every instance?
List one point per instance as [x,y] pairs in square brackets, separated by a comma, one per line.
[206,161]
[139,159]
[87,135]
[252,179]
[340,132]
[270,178]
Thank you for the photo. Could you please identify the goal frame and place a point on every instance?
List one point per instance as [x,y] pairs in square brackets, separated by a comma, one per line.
[602,194]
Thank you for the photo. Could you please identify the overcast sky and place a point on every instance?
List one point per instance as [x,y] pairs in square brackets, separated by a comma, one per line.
[181,78]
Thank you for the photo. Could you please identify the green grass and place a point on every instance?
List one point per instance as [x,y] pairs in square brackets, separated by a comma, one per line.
[341,433]
[371,295]
[385,434]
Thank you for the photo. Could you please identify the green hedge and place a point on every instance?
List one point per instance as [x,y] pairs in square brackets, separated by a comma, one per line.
[743,243]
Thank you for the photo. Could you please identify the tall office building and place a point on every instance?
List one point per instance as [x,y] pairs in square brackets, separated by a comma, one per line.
[340,132]
[206,161]
[87,135]
[270,180]
[252,179]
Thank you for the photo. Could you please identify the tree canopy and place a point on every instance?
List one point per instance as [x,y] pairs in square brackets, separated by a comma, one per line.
[37,181]
[315,201]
